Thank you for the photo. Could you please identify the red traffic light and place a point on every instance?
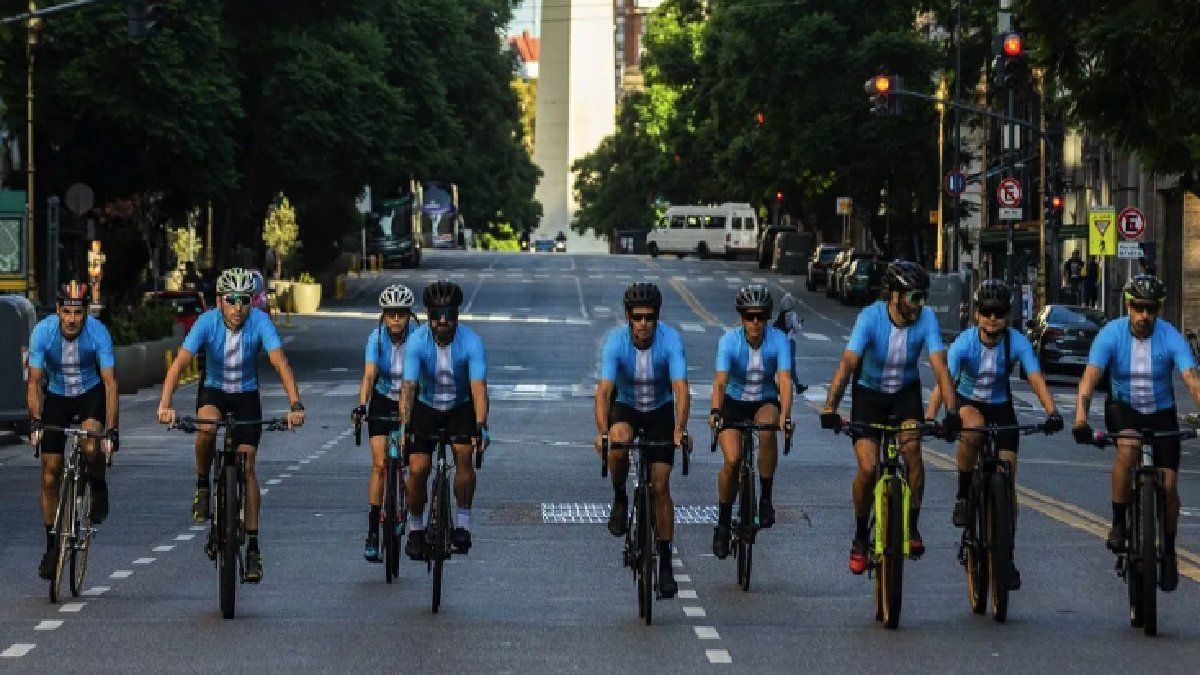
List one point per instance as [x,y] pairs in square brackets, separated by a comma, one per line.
[759,118]
[1012,45]
[1056,202]
[778,196]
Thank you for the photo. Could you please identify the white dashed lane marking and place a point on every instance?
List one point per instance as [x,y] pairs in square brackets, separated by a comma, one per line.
[706,633]
[185,537]
[18,650]
[96,591]
[163,549]
[144,561]
[718,656]
[198,528]
[694,612]
[687,594]
[48,624]
[72,607]
[121,574]
[817,336]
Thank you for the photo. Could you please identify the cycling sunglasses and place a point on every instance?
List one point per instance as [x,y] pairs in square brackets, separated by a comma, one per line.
[916,297]
[1146,307]
[994,312]
[447,314]
[754,316]
[236,298]
[395,313]
[637,317]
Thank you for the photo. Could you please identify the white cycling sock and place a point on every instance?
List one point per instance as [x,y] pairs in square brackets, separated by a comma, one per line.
[416,523]
[464,518]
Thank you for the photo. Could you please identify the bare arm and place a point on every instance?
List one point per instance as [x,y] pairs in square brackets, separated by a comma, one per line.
[841,377]
[720,379]
[1087,387]
[172,379]
[1037,382]
[935,402]
[479,395]
[604,391]
[280,362]
[683,405]
[1193,383]
[784,381]
[942,373]
[408,393]
[112,398]
[33,392]
[370,372]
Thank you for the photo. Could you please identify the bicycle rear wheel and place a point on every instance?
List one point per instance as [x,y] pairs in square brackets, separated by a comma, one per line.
[747,509]
[388,539]
[1000,543]
[66,520]
[1147,552]
[892,566]
[646,543]
[227,558]
[83,540]
[976,558]
[440,527]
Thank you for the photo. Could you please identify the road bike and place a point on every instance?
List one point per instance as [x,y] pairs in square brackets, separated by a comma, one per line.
[986,549]
[890,536]
[745,525]
[73,530]
[640,553]
[394,514]
[1140,558]
[227,525]
[440,528]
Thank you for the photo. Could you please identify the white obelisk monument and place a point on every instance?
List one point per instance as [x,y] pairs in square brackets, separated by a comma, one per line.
[576,104]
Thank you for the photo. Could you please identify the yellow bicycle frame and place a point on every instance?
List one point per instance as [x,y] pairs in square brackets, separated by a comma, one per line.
[891,451]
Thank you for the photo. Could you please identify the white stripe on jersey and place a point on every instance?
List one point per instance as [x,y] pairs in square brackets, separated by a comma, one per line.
[72,370]
[897,354]
[643,380]
[985,381]
[444,388]
[397,369]
[1141,377]
[753,390]
[232,376]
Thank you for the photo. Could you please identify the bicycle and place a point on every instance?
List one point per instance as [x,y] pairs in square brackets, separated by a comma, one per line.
[1141,555]
[640,553]
[73,520]
[227,526]
[889,544]
[986,549]
[439,529]
[745,524]
[394,515]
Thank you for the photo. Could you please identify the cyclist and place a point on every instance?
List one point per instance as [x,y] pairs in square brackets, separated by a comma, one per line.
[753,383]
[231,336]
[448,363]
[379,394]
[1139,352]
[882,357]
[980,361]
[643,388]
[71,376]
[790,322]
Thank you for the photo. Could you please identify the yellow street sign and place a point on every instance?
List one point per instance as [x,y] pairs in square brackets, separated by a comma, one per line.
[1102,231]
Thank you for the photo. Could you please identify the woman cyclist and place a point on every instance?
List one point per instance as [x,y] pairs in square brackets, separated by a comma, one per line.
[379,394]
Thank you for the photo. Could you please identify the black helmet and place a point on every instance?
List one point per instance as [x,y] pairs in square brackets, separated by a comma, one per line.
[1145,287]
[442,293]
[993,293]
[642,294]
[905,275]
[754,296]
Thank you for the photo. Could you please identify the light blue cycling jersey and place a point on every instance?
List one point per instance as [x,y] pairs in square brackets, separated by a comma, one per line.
[643,377]
[1140,370]
[72,367]
[231,357]
[752,371]
[982,372]
[444,374]
[890,354]
[388,358]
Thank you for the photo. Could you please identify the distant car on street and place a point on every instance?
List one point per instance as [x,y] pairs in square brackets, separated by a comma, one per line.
[188,305]
[560,242]
[543,246]
[819,266]
[1062,336]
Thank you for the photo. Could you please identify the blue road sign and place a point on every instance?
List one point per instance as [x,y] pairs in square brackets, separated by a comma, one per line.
[955,183]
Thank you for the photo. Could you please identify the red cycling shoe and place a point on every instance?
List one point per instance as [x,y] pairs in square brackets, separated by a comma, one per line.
[858,556]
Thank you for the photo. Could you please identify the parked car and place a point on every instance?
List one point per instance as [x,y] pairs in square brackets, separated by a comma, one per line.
[819,265]
[1062,336]
[560,242]
[543,246]
[728,230]
[188,305]
[838,268]
[861,281]
[766,243]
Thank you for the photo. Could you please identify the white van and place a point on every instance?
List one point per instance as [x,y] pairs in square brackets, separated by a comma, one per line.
[727,230]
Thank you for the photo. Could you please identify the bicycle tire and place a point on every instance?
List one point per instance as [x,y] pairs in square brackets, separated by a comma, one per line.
[401,521]
[83,542]
[1128,559]
[441,538]
[1000,543]
[976,559]
[892,567]
[227,557]
[66,516]
[746,522]
[387,540]
[1147,552]
[647,543]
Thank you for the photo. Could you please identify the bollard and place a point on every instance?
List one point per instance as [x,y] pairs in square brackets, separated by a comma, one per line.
[339,287]
[169,357]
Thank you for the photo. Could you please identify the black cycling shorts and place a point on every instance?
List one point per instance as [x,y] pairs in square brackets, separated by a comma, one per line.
[427,421]
[654,425]
[998,413]
[871,406]
[734,411]
[63,411]
[1120,416]
[244,405]
[381,406]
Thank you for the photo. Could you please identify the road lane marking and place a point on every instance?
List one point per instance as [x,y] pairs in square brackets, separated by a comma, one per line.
[694,304]
[694,612]
[72,607]
[18,649]
[121,574]
[706,632]
[163,549]
[816,336]
[718,656]
[686,594]
[294,467]
[96,591]
[582,305]
[683,578]
[691,327]
[144,561]
[48,624]
[185,537]
[285,475]
[198,528]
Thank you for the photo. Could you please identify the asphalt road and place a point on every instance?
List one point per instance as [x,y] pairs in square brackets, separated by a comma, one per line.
[536,593]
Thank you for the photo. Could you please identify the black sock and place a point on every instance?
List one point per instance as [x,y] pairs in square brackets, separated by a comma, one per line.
[724,514]
[914,514]
[664,554]
[1169,541]
[49,537]
[767,484]
[1119,513]
[619,492]
[860,527]
[372,518]
[964,483]
[251,541]
[202,481]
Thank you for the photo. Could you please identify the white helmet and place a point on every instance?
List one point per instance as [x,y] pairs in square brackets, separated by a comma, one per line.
[396,297]
[235,280]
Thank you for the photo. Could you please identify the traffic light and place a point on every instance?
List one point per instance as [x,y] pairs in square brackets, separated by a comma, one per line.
[145,17]
[779,196]
[884,94]
[1053,209]
[1011,64]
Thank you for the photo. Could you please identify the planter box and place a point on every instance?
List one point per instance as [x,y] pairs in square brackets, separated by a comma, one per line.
[130,363]
[306,297]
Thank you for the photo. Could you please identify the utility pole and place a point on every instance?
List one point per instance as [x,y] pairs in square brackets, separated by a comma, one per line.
[954,161]
[1039,75]
[942,93]
[32,25]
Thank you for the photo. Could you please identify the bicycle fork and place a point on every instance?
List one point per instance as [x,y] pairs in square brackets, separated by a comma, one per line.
[881,507]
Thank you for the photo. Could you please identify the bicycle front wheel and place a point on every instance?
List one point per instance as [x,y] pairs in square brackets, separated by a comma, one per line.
[747,520]
[441,539]
[83,541]
[1147,551]
[388,540]
[229,509]
[1000,543]
[976,557]
[646,542]
[891,568]
[65,521]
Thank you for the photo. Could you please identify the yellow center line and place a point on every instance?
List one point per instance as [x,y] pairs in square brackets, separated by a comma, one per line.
[707,316]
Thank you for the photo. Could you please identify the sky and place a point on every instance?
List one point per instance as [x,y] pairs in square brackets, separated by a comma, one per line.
[525,17]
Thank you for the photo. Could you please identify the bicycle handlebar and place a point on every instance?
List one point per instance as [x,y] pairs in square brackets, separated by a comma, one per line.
[192,424]
[753,426]
[75,432]
[927,428]
[642,445]
[1023,429]
[358,421]
[1102,439]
